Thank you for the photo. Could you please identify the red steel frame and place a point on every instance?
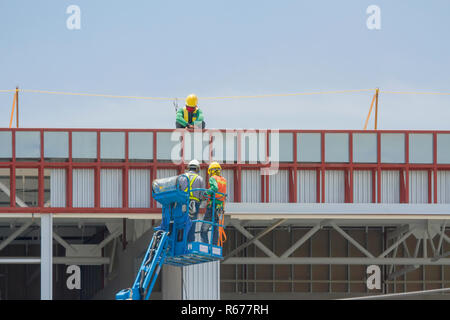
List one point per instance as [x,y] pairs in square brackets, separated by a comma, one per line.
[154,165]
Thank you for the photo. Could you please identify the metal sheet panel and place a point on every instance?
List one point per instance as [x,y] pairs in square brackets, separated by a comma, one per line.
[279,187]
[253,146]
[443,148]
[418,186]
[307,186]
[229,175]
[420,148]
[309,147]
[390,186]
[196,146]
[250,186]
[224,147]
[392,148]
[83,188]
[334,186]
[362,186]
[139,188]
[111,188]
[202,281]
[166,173]
[168,146]
[336,147]
[285,152]
[443,186]
[57,188]
[5,145]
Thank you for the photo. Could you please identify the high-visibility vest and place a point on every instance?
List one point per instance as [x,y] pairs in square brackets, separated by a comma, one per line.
[186,115]
[222,185]
[192,178]
[222,235]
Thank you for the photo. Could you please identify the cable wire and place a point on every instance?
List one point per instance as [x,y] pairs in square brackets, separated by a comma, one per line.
[174,98]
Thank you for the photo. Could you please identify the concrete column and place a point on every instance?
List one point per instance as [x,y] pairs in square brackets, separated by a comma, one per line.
[46,257]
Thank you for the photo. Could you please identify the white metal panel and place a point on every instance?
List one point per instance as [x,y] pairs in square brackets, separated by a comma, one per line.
[111,188]
[196,146]
[307,186]
[336,147]
[250,186]
[169,145]
[224,147]
[83,188]
[390,186]
[166,173]
[279,187]
[334,186]
[309,147]
[202,281]
[57,188]
[443,148]
[253,146]
[420,148]
[139,188]
[443,186]
[5,145]
[229,175]
[392,148]
[362,186]
[418,186]
[285,146]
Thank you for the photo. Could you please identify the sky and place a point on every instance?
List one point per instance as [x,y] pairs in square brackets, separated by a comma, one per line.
[226,48]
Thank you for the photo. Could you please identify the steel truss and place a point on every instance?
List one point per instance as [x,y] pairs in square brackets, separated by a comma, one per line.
[388,257]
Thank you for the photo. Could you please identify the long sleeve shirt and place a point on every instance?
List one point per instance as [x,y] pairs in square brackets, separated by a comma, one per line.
[198,114]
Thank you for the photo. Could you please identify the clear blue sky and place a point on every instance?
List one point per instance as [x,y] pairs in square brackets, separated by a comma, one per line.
[222,48]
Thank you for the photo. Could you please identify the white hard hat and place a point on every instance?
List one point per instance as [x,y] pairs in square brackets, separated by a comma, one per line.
[194,164]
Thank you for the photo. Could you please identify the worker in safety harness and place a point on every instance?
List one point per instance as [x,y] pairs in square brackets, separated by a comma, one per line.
[190,116]
[196,182]
[217,183]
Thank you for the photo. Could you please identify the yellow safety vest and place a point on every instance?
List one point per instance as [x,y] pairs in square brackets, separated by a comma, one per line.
[186,115]
[192,178]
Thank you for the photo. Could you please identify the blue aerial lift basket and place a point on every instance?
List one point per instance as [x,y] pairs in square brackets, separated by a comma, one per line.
[169,242]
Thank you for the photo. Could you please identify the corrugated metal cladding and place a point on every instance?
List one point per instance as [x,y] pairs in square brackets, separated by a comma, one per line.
[57,188]
[307,186]
[166,173]
[250,186]
[202,281]
[418,186]
[362,186]
[334,186]
[111,188]
[279,187]
[139,188]
[83,188]
[229,175]
[390,186]
[443,186]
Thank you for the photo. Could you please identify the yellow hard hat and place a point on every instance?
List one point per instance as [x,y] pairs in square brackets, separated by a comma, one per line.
[214,166]
[191,100]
